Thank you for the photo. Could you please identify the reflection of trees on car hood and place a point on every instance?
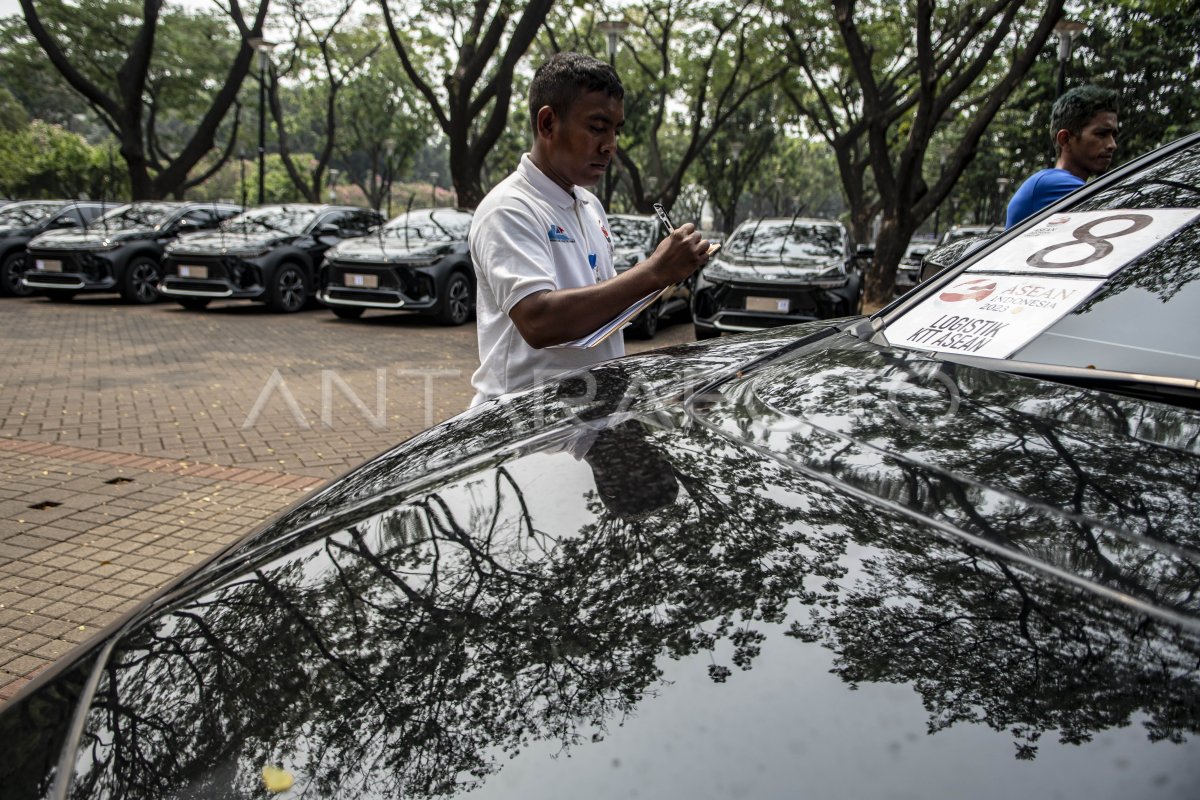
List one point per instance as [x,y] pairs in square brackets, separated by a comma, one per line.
[1007,567]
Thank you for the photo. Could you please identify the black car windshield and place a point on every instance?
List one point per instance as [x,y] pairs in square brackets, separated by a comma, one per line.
[785,240]
[24,215]
[630,231]
[430,225]
[137,215]
[292,220]
[1112,284]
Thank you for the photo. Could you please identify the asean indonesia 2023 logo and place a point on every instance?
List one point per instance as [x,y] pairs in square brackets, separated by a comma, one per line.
[975,289]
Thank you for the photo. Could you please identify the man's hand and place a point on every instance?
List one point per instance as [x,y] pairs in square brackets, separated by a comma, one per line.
[677,256]
[554,317]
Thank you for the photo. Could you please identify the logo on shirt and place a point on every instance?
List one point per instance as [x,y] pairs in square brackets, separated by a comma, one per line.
[558,234]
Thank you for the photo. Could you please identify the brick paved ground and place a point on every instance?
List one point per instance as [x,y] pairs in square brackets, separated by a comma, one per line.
[136,441]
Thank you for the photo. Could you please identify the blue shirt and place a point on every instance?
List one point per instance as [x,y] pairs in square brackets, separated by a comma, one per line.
[1040,190]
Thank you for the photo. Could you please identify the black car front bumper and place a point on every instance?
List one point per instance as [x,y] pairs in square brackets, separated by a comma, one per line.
[69,271]
[213,276]
[736,306]
[387,286]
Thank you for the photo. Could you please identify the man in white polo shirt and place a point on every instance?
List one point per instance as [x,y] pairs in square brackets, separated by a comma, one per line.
[542,251]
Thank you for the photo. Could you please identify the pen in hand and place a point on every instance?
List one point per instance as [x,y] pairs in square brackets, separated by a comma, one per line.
[666,221]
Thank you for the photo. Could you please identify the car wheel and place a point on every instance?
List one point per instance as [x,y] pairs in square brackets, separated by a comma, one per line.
[289,292]
[705,332]
[457,301]
[11,270]
[139,284]
[59,296]
[646,324]
[194,303]
[347,312]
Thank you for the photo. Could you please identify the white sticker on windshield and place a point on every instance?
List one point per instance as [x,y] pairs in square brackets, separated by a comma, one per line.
[1089,243]
[991,316]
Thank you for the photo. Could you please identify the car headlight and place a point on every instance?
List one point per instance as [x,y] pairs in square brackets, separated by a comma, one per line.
[716,271]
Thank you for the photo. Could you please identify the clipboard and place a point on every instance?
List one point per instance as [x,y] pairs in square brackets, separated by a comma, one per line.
[612,326]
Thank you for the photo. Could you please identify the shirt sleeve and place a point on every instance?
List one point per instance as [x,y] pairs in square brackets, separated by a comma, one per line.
[514,255]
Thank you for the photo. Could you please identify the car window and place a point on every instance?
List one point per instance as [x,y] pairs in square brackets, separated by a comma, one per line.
[784,240]
[202,217]
[89,211]
[356,223]
[1111,283]
[69,215]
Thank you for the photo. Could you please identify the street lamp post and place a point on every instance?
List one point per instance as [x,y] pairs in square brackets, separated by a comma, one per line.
[433,178]
[612,30]
[937,212]
[389,149]
[333,175]
[242,174]
[1067,30]
[263,48]
[1001,193]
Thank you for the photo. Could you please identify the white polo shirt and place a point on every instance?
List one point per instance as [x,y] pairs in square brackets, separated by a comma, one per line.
[529,235]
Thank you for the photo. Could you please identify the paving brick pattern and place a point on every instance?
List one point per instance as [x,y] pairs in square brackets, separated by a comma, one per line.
[137,441]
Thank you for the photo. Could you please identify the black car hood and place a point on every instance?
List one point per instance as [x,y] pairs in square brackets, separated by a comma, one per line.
[223,241]
[389,249]
[82,238]
[7,232]
[724,570]
[774,270]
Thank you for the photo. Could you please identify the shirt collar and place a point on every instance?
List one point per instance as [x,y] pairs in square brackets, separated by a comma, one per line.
[546,186]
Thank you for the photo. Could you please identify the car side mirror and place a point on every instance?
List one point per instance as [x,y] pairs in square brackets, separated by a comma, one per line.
[186,225]
[64,222]
[329,229]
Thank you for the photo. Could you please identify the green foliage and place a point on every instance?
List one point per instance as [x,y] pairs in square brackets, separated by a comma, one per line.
[13,116]
[45,161]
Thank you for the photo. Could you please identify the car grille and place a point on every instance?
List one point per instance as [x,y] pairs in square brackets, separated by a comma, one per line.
[802,302]
[411,284]
[92,267]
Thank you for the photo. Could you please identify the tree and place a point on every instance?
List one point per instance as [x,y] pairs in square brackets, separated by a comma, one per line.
[41,160]
[105,50]
[960,61]
[315,51]
[694,66]
[476,47]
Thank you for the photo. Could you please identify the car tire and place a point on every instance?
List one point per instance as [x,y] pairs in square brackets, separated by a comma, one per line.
[140,282]
[646,324]
[457,300]
[11,270]
[347,312]
[59,295]
[289,289]
[194,303]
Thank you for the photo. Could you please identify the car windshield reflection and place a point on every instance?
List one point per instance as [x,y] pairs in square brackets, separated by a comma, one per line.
[137,215]
[627,232]
[273,219]
[23,216]
[430,225]
[786,241]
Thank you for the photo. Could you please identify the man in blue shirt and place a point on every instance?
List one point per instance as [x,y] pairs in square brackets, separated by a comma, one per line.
[1083,124]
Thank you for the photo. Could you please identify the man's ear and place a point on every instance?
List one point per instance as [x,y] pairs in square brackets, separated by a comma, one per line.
[1062,137]
[546,120]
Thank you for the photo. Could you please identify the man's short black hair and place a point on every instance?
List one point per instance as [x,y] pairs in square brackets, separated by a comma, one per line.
[564,77]
[1075,109]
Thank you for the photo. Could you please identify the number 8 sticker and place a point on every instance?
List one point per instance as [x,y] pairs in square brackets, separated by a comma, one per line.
[1101,246]
[1086,244]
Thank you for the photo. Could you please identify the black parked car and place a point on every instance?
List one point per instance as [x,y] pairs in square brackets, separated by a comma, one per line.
[417,262]
[776,272]
[809,561]
[20,222]
[908,273]
[634,238]
[269,254]
[120,251]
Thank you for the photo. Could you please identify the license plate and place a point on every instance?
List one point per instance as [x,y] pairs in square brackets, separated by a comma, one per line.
[186,271]
[771,305]
[47,265]
[365,281]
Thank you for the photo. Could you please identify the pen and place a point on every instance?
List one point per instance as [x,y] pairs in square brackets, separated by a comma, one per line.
[662,214]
